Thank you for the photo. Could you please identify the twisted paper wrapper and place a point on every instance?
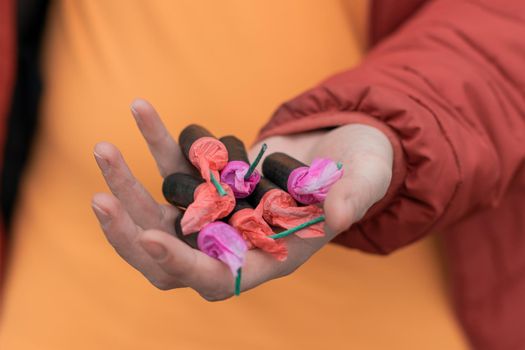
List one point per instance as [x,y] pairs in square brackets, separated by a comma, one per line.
[233,175]
[221,241]
[279,209]
[310,185]
[255,231]
[208,154]
[207,207]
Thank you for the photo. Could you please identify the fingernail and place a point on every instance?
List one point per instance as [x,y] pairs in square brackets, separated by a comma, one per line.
[135,114]
[156,250]
[101,213]
[102,163]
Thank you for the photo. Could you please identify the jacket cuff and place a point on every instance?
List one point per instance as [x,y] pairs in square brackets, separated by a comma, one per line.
[426,173]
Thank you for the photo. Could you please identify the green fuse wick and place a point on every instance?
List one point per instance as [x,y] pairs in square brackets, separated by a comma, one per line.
[237,290]
[217,185]
[252,167]
[298,228]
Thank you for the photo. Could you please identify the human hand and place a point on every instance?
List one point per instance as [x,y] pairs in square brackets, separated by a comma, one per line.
[142,230]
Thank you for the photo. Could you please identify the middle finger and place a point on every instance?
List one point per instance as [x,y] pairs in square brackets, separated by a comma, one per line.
[137,201]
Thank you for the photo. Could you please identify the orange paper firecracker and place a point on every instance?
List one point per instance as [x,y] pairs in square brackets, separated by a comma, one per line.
[279,209]
[202,201]
[203,150]
[207,207]
[256,231]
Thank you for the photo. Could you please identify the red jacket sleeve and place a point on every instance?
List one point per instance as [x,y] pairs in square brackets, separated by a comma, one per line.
[449,90]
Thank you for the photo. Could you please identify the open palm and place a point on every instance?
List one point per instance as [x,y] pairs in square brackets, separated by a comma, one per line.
[142,230]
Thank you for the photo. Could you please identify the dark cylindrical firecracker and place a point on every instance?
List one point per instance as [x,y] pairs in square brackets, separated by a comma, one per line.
[189,239]
[277,167]
[189,135]
[262,188]
[178,189]
[241,204]
[236,149]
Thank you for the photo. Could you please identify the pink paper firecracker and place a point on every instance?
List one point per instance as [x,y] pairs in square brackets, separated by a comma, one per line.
[233,175]
[310,185]
[223,242]
[239,174]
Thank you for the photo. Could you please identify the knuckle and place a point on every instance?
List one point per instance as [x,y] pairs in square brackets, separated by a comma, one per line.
[216,297]
[217,293]
[131,182]
[162,283]
[167,217]
[288,270]
[159,138]
[123,183]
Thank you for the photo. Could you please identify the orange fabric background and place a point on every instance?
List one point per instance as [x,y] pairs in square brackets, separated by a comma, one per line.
[226,65]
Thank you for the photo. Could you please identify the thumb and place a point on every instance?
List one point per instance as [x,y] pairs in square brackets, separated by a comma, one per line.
[187,266]
[364,183]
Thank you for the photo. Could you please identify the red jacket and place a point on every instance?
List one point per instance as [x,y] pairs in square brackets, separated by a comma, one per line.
[449,89]
[7,79]
[445,82]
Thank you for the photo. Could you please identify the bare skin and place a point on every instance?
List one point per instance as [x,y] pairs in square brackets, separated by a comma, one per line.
[141,230]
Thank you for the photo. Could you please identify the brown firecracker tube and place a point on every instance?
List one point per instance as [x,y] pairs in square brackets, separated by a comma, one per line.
[202,202]
[189,239]
[189,135]
[178,189]
[205,152]
[241,204]
[236,149]
[262,188]
[278,166]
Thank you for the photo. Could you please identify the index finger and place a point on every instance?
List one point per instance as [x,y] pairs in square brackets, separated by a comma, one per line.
[163,147]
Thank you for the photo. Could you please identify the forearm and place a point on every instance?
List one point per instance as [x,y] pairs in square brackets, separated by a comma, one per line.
[450,95]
